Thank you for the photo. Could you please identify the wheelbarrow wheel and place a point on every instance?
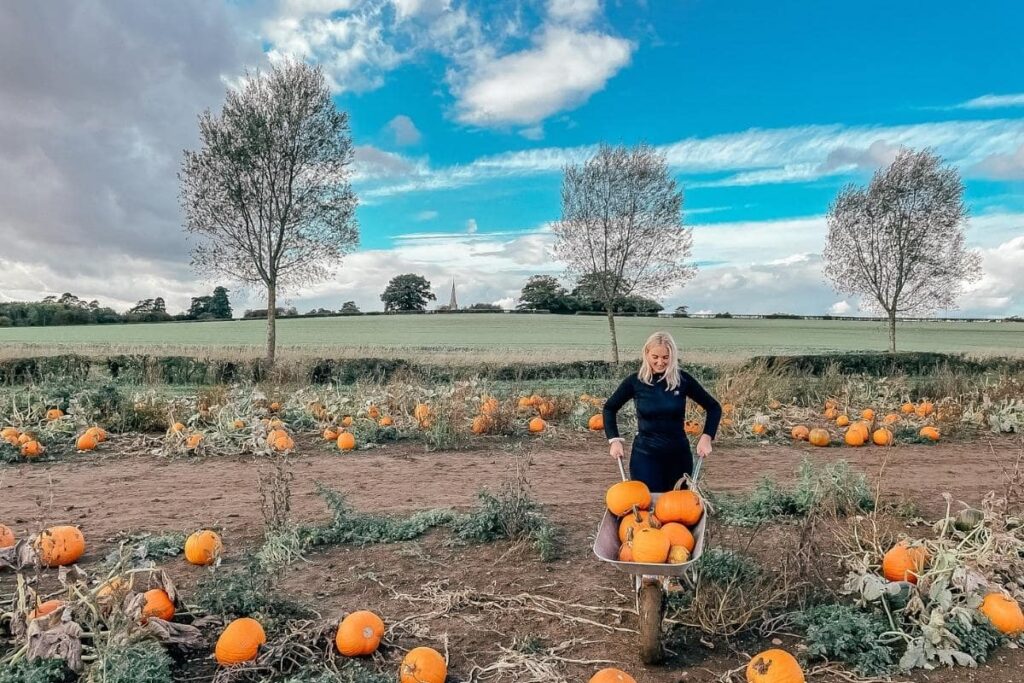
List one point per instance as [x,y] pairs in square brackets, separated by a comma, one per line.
[651,607]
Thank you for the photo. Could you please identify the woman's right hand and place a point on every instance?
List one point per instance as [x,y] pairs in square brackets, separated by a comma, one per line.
[616,449]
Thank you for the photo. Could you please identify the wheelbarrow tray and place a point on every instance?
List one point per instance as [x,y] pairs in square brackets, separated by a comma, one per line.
[606,547]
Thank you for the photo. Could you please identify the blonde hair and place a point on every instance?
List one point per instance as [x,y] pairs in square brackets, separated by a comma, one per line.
[646,373]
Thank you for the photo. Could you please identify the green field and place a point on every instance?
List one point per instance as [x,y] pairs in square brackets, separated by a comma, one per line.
[514,337]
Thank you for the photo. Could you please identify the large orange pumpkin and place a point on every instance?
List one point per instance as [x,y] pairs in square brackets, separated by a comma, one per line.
[193,441]
[60,545]
[48,607]
[800,433]
[7,538]
[423,665]
[925,408]
[774,666]
[1005,614]
[903,563]
[87,442]
[623,496]
[158,604]
[679,535]
[929,433]
[537,425]
[240,642]
[683,506]
[346,441]
[650,545]
[359,634]
[819,437]
[611,676]
[634,522]
[882,437]
[595,423]
[867,414]
[32,449]
[855,437]
[280,440]
[203,547]
[98,432]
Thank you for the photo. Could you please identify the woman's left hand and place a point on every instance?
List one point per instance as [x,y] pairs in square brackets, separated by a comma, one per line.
[704,446]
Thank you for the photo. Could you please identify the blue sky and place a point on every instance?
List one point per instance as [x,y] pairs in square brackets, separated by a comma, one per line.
[463,114]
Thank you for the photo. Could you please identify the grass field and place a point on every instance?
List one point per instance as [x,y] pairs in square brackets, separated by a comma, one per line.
[517,337]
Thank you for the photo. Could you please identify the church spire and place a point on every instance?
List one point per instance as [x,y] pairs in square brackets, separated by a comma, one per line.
[453,305]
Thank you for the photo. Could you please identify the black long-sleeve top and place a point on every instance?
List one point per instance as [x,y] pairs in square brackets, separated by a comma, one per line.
[659,411]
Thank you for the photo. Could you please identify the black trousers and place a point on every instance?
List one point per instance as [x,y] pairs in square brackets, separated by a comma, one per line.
[660,460]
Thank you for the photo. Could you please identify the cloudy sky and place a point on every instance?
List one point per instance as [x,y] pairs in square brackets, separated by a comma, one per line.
[463,114]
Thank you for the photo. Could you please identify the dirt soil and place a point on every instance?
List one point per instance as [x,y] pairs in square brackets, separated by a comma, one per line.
[450,594]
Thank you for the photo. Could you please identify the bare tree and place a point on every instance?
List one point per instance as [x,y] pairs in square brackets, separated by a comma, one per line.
[622,227]
[899,242]
[268,190]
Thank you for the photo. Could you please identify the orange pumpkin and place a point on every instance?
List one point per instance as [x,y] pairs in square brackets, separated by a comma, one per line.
[867,414]
[373,412]
[727,408]
[346,441]
[774,666]
[929,433]
[537,425]
[855,437]
[32,449]
[346,421]
[611,676]
[48,607]
[158,604]
[626,550]
[683,506]
[843,421]
[650,545]
[1005,614]
[692,428]
[819,437]
[622,497]
[177,428]
[98,432]
[907,408]
[481,424]
[882,437]
[800,433]
[759,428]
[421,412]
[890,419]
[924,408]
[678,554]
[54,414]
[331,434]
[193,441]
[831,413]
[240,642]
[24,438]
[86,442]
[903,563]
[275,406]
[280,440]
[679,535]
[359,634]
[633,522]
[423,665]
[386,421]
[546,409]
[7,538]
[59,546]
[523,403]
[8,433]
[596,423]
[203,547]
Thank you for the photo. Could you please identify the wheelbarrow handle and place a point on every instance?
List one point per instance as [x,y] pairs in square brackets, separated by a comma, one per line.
[696,469]
[622,470]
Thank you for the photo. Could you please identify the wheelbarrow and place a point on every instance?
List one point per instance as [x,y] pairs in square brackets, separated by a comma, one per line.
[650,581]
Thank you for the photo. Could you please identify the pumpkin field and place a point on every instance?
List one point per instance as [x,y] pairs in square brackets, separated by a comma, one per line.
[429,527]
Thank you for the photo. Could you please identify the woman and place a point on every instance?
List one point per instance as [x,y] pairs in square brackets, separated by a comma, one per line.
[661,452]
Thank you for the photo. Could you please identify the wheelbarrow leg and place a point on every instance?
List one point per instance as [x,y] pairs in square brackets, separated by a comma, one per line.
[651,610]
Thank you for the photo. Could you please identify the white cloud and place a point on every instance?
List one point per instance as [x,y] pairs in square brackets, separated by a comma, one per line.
[993,102]
[372,163]
[840,308]
[404,130]
[1002,166]
[562,69]
[1000,291]
[471,226]
[427,215]
[573,11]
[533,132]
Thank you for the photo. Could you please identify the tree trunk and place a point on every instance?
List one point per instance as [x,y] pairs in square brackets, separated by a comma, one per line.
[271,323]
[892,332]
[615,342]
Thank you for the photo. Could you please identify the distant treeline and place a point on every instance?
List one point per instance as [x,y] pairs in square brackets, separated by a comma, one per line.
[68,309]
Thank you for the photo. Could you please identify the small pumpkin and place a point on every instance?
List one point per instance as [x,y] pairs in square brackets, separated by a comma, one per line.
[891,419]
[867,414]
[346,441]
[882,437]
[800,433]
[203,547]
[904,563]
[359,634]
[596,423]
[158,604]
[9,433]
[679,535]
[193,441]
[523,403]
[280,440]
[759,428]
[611,675]
[98,432]
[683,506]
[32,449]
[930,433]
[240,642]
[774,666]
[831,413]
[275,406]
[48,607]
[1004,613]
[331,434]
[546,409]
[24,438]
[843,421]
[677,554]
[54,414]
[650,546]
[176,428]
[626,549]
[854,437]
[481,424]
[238,424]
[537,425]
[924,408]
[7,538]
[623,496]
[631,523]
[423,665]
[87,442]
[373,412]
[907,408]
[386,421]
[819,437]
[421,412]
[692,428]
[60,545]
